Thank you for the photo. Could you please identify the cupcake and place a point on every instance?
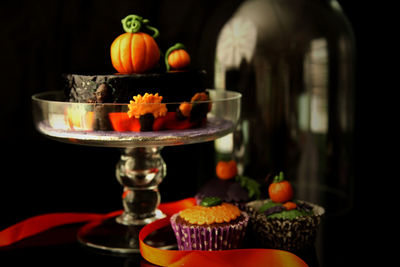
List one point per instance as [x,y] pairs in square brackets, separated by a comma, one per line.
[212,225]
[282,222]
[229,186]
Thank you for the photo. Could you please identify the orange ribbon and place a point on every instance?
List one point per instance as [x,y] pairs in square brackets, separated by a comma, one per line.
[237,257]
[41,223]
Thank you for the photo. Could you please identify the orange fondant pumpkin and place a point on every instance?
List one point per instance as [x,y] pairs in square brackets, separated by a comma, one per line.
[226,169]
[135,51]
[177,57]
[280,191]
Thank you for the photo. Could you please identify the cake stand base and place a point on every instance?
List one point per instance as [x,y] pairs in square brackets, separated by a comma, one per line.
[110,237]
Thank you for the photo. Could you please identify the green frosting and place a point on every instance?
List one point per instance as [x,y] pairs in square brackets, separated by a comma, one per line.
[268,205]
[210,202]
[252,186]
[277,211]
[289,214]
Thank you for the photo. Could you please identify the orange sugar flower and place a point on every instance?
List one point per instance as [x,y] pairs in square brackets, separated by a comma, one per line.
[148,103]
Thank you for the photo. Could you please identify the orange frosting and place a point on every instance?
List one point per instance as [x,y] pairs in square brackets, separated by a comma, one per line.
[148,103]
[207,215]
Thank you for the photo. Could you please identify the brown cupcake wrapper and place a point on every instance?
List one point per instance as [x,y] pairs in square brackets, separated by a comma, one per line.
[287,234]
[199,237]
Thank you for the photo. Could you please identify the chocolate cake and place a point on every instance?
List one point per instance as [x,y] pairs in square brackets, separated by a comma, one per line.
[143,84]
[175,86]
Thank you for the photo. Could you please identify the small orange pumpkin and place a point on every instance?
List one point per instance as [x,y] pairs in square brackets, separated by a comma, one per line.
[226,169]
[177,57]
[280,190]
[134,51]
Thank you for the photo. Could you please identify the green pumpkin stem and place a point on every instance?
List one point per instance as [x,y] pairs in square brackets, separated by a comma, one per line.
[170,50]
[279,178]
[134,23]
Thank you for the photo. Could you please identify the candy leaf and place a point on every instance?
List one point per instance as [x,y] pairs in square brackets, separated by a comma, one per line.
[252,186]
[210,201]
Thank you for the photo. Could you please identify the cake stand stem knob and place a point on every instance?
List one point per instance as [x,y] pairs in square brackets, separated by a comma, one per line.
[140,171]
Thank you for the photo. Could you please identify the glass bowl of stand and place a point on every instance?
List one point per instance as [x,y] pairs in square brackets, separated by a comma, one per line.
[141,168]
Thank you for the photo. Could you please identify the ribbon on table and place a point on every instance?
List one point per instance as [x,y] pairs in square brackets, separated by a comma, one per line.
[41,223]
[236,257]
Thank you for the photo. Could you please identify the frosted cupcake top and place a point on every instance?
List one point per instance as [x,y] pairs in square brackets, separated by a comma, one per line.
[209,214]
[281,204]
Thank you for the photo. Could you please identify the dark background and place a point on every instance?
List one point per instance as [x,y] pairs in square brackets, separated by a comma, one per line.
[44,40]
[40,40]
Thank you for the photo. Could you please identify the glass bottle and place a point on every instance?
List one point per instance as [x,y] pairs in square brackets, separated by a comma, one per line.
[293,61]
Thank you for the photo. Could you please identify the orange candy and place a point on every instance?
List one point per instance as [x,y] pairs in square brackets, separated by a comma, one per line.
[185,109]
[226,169]
[290,205]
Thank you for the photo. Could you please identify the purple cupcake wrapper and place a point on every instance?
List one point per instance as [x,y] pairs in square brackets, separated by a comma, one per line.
[209,238]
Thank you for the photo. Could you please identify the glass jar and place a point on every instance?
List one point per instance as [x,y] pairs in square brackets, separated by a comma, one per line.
[293,61]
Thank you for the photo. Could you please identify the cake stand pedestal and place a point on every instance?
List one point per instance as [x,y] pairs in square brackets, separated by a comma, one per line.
[140,169]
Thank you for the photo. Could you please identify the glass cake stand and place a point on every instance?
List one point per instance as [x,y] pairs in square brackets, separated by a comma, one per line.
[141,168]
